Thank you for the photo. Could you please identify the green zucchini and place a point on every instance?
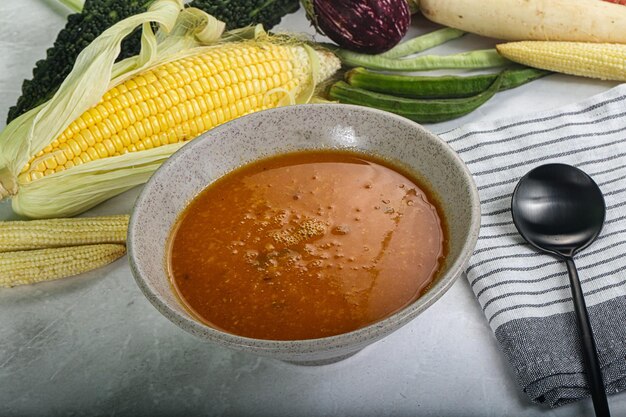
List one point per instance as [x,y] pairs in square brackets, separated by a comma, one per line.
[448,86]
[418,110]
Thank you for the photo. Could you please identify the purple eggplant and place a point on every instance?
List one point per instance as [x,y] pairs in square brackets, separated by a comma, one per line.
[369,26]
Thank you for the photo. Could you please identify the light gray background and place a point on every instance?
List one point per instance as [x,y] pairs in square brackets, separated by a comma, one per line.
[93,345]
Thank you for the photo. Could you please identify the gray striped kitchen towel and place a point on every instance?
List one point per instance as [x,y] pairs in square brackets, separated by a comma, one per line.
[524,294]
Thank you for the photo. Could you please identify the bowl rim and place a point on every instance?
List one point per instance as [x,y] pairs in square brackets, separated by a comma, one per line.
[373,331]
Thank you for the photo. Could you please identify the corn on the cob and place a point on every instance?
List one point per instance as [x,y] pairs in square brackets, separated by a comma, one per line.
[596,60]
[29,267]
[54,233]
[175,102]
[110,125]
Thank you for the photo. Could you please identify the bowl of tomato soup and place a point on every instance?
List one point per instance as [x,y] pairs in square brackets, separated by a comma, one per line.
[304,233]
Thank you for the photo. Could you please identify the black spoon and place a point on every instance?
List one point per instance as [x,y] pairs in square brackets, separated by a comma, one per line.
[560,210]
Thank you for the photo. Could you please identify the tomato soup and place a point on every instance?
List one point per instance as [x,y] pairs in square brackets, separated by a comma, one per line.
[306,245]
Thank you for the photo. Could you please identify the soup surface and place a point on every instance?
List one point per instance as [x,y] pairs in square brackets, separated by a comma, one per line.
[306,245]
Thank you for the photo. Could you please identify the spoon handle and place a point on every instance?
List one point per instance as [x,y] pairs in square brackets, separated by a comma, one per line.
[590,354]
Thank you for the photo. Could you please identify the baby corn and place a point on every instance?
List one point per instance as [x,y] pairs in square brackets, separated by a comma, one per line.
[29,267]
[39,234]
[596,60]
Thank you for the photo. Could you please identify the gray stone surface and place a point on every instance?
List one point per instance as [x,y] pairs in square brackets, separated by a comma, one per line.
[93,345]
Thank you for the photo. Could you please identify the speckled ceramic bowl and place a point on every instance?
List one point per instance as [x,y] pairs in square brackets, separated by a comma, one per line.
[282,130]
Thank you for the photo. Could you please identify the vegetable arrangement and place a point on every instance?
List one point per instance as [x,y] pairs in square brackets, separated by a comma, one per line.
[599,52]
[42,250]
[426,99]
[419,110]
[128,82]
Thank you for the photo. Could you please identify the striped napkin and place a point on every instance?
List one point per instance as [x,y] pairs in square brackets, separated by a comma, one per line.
[524,294]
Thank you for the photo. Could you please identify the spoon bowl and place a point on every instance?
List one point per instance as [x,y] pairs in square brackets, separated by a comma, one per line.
[560,210]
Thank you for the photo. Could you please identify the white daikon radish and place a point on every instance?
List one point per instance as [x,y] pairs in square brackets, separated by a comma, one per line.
[555,20]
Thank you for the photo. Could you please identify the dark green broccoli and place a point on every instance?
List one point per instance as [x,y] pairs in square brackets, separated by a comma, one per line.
[98,15]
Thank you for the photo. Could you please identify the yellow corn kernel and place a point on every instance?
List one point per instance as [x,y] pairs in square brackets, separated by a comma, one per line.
[240,108]
[154,124]
[87,137]
[74,128]
[129,115]
[125,138]
[117,143]
[85,157]
[161,107]
[123,100]
[159,86]
[134,136]
[108,145]
[40,166]
[116,123]
[32,266]
[50,162]
[152,108]
[200,124]
[60,157]
[93,154]
[182,95]
[193,128]
[80,144]
[131,84]
[221,64]
[195,107]
[249,74]
[189,109]
[147,143]
[220,115]
[213,116]
[186,78]
[67,151]
[133,97]
[172,137]
[260,70]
